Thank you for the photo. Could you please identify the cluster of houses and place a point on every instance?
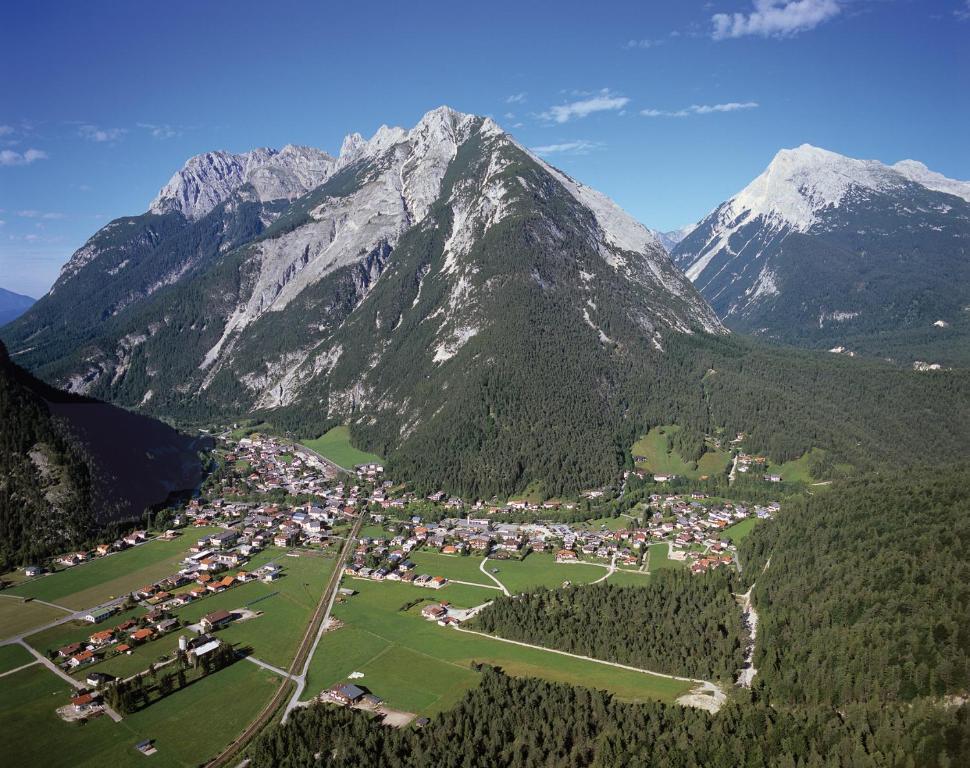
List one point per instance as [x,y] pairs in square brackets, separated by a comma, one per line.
[747,463]
[271,465]
[689,522]
[115,640]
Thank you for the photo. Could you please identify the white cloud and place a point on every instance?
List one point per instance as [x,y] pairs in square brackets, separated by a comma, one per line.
[9,157]
[516,98]
[775,18]
[93,133]
[641,44]
[604,101]
[963,14]
[578,147]
[32,214]
[700,109]
[6,130]
[160,131]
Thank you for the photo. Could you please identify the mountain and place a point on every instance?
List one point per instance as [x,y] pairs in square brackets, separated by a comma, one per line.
[71,466]
[669,240]
[826,251]
[417,265]
[474,314]
[12,305]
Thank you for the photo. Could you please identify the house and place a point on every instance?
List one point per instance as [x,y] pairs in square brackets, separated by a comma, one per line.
[33,570]
[215,620]
[141,635]
[437,582]
[84,702]
[68,650]
[82,658]
[223,540]
[346,694]
[566,556]
[434,612]
[104,637]
[95,679]
[98,615]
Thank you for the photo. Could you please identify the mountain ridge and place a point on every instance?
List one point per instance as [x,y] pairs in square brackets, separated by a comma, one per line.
[826,251]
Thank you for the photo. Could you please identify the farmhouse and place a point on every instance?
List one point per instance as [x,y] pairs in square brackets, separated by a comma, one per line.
[215,620]
[344,693]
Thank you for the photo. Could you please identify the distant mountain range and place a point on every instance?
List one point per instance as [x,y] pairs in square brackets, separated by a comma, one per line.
[473,313]
[12,305]
[830,252]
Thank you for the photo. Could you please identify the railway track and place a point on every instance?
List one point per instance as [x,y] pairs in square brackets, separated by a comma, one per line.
[279,699]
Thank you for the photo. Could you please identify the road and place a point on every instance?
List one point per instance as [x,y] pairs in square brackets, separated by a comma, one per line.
[734,469]
[300,664]
[711,690]
[63,675]
[501,586]
[72,616]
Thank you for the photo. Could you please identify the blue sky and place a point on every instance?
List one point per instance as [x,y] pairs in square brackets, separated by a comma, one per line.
[669,108]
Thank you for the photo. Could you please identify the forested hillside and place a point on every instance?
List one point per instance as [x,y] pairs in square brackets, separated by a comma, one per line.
[517,723]
[70,466]
[679,623]
[867,596]
[45,482]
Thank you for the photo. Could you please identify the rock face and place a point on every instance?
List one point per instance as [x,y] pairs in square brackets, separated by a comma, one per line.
[209,179]
[393,286]
[825,250]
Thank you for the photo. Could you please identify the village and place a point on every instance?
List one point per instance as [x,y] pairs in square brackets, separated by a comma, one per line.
[271,499]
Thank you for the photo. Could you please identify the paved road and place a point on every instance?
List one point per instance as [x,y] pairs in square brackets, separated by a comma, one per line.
[72,616]
[63,675]
[301,662]
[344,554]
[270,667]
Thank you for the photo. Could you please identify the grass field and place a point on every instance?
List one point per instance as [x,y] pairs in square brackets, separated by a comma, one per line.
[286,606]
[610,523]
[797,470]
[13,656]
[75,631]
[540,569]
[462,567]
[738,531]
[653,447]
[89,584]
[623,578]
[421,667]
[659,559]
[335,445]
[17,617]
[188,727]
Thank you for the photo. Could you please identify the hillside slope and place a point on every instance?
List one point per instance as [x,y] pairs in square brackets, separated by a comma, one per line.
[70,466]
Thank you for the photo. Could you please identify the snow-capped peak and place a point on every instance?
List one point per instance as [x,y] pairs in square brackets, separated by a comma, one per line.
[917,172]
[801,182]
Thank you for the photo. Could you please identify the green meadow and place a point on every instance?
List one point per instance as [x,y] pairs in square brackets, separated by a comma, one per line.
[104,578]
[188,727]
[421,667]
[335,445]
[661,459]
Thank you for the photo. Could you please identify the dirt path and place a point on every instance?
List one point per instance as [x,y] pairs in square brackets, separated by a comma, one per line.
[501,586]
[706,695]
